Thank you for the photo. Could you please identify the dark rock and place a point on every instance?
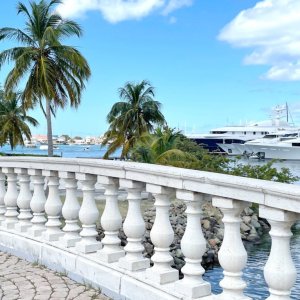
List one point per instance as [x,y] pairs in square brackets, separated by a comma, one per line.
[149,248]
[213,230]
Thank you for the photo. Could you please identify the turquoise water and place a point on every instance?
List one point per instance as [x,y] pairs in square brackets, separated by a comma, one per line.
[86,151]
[257,254]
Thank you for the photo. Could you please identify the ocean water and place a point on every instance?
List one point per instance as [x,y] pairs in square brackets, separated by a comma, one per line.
[79,151]
[253,273]
[257,254]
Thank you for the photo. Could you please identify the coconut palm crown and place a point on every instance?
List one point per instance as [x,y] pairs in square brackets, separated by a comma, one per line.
[161,147]
[14,122]
[131,118]
[54,73]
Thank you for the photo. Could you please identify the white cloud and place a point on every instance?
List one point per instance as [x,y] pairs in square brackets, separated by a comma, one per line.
[176,4]
[271,29]
[286,72]
[120,10]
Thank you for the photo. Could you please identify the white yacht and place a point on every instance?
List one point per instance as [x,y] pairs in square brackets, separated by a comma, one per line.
[254,146]
[251,146]
[45,147]
[284,147]
[30,144]
[220,139]
[229,138]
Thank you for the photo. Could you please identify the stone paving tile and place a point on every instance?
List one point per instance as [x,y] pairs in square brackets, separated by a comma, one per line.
[20,279]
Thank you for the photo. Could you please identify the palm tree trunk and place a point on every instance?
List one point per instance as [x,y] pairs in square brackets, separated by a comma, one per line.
[49,129]
[11,142]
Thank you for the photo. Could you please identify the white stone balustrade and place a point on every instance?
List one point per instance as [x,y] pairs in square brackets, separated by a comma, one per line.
[23,200]
[70,211]
[37,203]
[31,226]
[162,235]
[10,199]
[280,272]
[111,221]
[193,246]
[88,215]
[134,228]
[232,254]
[53,207]
[2,194]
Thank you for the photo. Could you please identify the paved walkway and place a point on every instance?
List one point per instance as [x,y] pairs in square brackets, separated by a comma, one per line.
[20,279]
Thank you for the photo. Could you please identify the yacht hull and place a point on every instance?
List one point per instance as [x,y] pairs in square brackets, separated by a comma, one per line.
[232,149]
[277,152]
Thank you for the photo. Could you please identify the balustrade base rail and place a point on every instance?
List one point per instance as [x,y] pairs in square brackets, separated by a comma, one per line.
[113,281]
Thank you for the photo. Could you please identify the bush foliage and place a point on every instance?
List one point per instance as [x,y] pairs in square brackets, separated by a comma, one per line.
[167,146]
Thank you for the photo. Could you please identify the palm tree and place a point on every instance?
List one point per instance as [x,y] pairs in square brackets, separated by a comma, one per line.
[131,118]
[13,120]
[54,73]
[161,147]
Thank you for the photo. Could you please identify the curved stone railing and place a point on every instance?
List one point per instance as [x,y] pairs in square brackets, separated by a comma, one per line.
[62,236]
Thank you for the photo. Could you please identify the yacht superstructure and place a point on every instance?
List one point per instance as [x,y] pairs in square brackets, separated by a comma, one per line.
[225,139]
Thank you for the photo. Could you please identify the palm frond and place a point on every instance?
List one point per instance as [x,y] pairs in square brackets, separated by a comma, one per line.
[16,34]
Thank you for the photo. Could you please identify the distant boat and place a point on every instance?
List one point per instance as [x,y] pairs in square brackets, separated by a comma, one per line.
[45,147]
[29,144]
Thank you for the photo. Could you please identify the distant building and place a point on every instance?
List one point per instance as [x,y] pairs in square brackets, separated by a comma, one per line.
[78,141]
[42,138]
[90,140]
[62,140]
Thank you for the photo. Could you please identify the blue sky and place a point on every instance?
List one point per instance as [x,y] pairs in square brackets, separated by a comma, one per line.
[212,62]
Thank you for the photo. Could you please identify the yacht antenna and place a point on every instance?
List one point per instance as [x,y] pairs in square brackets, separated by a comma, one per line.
[289,115]
[287,112]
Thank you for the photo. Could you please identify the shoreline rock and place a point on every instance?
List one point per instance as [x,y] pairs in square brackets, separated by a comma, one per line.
[252,227]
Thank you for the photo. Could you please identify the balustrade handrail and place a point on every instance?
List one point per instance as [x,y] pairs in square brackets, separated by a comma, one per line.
[272,194]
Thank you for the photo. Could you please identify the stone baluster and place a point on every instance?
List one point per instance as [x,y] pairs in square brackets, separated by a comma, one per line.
[134,228]
[2,194]
[70,211]
[232,254]
[162,235]
[10,199]
[111,222]
[37,203]
[23,201]
[88,215]
[193,246]
[53,208]
[280,272]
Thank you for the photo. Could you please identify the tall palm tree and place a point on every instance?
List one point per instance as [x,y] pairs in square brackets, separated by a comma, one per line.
[54,73]
[132,117]
[13,120]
